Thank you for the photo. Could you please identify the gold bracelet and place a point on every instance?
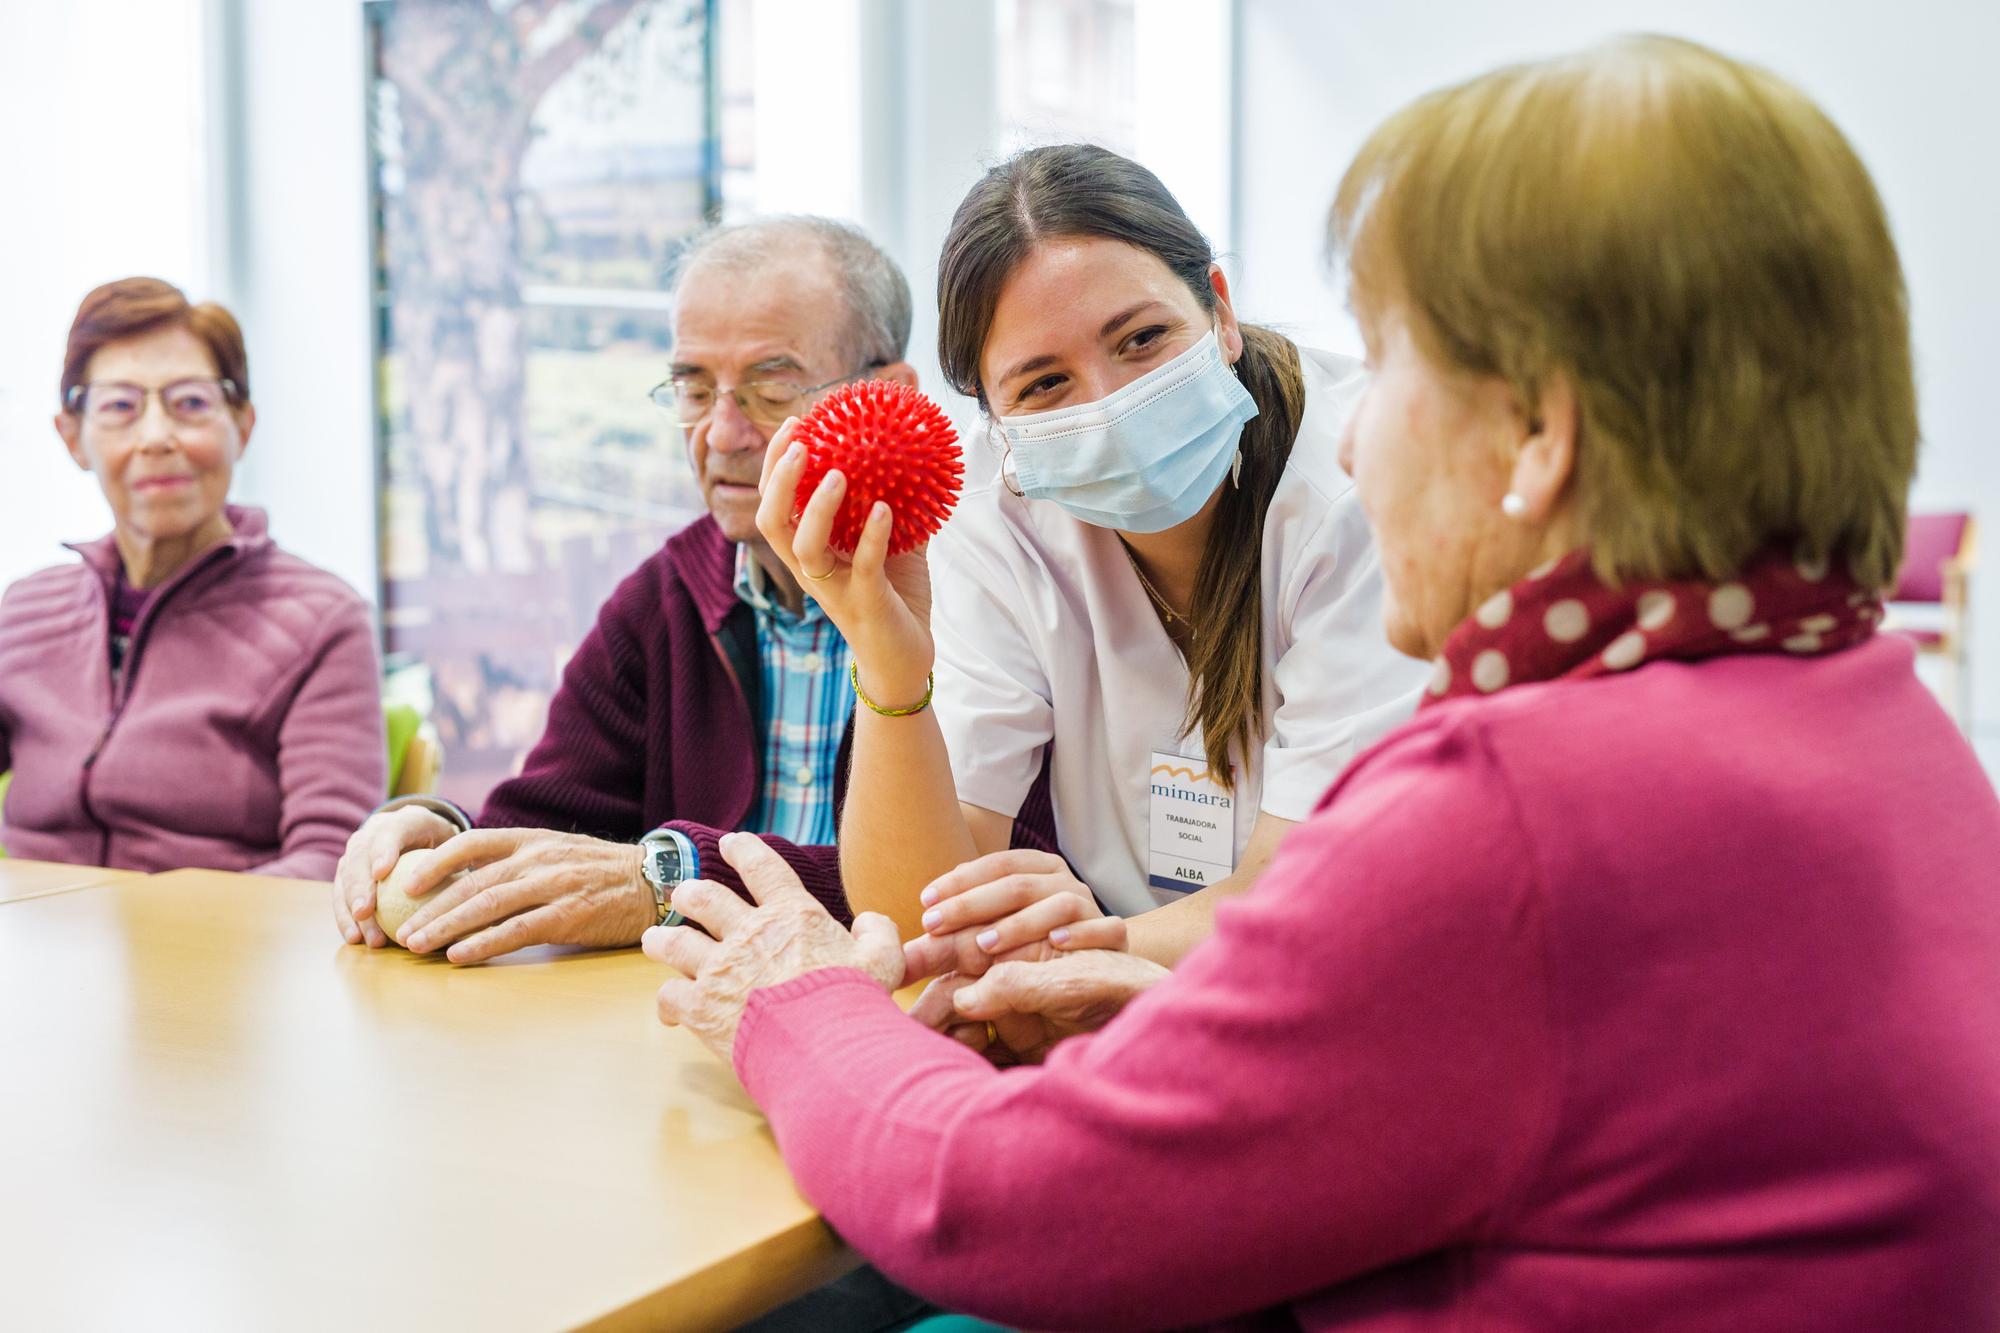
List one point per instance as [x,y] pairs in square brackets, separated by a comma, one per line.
[930,683]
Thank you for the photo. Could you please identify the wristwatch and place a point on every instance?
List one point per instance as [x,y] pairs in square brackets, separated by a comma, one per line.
[666,858]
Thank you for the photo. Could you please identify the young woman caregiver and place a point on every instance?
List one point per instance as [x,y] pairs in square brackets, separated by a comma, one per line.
[1167,605]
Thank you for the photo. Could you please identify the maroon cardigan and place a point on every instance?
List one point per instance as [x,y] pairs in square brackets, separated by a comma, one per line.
[658,719]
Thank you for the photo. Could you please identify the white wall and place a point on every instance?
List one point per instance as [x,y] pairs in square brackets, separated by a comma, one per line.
[293,134]
[102,118]
[930,119]
[1185,106]
[1912,85]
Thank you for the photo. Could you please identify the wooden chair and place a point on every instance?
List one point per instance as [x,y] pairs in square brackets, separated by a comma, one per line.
[422,760]
[414,753]
[1939,555]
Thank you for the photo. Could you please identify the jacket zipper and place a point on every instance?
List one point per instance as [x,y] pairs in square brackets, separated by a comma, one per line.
[121,684]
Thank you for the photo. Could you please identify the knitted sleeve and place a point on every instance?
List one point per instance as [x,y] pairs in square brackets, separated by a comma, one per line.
[332,759]
[818,868]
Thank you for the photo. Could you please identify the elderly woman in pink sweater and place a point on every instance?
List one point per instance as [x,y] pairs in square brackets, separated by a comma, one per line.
[189,694]
[1650,977]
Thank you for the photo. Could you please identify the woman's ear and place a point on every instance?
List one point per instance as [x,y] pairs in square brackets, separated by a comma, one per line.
[1547,453]
[70,427]
[1227,331]
[246,421]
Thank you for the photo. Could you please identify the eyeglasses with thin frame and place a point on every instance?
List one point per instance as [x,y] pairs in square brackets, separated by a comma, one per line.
[763,402]
[112,405]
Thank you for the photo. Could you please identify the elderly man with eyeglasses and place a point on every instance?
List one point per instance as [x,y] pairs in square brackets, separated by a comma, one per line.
[712,694]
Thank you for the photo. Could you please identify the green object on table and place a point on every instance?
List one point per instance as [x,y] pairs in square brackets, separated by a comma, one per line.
[954,1323]
[401,722]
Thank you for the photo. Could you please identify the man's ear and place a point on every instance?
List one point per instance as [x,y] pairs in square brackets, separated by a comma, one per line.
[70,427]
[1547,453]
[902,372]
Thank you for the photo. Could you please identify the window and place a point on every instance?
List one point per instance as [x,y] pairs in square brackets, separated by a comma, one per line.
[535,165]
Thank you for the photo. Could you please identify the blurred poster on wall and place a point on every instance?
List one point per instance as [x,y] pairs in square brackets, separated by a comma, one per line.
[535,164]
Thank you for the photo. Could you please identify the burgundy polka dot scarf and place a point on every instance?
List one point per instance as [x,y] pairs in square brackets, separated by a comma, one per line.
[1561,621]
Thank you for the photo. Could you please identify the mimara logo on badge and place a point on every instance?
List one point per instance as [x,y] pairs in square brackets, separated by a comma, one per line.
[1190,776]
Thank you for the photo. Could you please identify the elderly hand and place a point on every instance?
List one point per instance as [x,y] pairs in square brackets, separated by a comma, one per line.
[371,854]
[1016,905]
[786,935]
[882,606]
[527,886]
[1033,1006]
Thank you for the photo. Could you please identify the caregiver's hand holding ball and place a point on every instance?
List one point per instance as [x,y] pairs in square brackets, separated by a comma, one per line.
[850,495]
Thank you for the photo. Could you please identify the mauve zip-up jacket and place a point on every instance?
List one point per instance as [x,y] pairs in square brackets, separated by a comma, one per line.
[244,732]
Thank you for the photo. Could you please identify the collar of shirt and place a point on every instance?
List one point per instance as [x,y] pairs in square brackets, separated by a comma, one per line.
[753,590]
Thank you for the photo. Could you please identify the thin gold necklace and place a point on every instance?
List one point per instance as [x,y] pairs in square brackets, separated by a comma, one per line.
[1167,613]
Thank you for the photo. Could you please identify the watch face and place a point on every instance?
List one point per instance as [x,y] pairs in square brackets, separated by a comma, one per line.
[663,863]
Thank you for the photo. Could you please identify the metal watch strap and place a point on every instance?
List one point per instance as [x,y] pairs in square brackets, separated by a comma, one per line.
[687,864]
[663,913]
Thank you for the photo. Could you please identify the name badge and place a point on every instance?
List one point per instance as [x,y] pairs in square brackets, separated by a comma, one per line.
[1193,826]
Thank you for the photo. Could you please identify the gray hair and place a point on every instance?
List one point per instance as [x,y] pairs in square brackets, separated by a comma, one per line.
[877,329]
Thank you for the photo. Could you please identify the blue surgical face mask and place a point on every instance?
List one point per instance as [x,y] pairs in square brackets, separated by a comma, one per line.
[1143,458]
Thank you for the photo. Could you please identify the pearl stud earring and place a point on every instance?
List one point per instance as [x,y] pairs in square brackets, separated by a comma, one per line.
[1513,506]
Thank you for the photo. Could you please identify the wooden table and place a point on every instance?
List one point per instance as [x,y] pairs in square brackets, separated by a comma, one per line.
[214,1114]
[35,879]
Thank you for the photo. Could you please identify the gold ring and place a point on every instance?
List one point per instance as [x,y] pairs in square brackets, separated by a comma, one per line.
[992,1034]
[819,578]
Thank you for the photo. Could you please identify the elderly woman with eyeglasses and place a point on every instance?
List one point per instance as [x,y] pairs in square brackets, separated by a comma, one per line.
[1646,979]
[189,694]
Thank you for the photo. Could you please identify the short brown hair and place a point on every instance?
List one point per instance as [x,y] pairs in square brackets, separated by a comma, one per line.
[1692,242]
[130,307]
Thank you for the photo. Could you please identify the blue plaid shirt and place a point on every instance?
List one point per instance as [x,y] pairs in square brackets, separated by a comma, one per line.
[807,701]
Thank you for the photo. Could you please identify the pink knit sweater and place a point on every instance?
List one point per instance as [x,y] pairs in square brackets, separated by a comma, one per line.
[245,734]
[1661,1001]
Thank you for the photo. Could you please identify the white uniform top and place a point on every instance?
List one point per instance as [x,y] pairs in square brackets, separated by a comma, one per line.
[1045,634]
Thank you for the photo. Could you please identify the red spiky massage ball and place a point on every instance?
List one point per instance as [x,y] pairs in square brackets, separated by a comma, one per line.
[892,444]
